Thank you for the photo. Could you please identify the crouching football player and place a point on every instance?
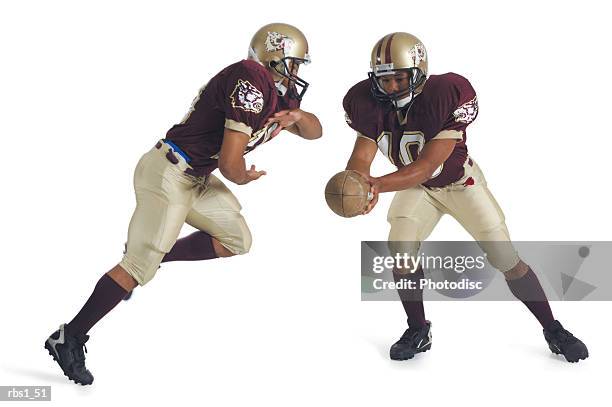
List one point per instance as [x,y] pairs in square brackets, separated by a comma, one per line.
[419,122]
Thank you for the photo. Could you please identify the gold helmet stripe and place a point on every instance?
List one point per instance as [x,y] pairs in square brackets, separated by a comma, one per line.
[381,50]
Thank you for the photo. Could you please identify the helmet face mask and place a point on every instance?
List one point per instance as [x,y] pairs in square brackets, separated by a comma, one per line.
[282,48]
[401,98]
[290,82]
[393,54]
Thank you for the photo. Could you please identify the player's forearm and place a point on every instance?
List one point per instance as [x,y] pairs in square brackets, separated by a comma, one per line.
[357,164]
[308,126]
[406,177]
[235,171]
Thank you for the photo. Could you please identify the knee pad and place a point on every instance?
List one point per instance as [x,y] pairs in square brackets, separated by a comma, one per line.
[142,268]
[247,241]
[500,254]
[240,241]
[404,229]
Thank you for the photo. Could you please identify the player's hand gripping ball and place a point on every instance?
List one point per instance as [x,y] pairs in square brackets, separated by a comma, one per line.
[348,193]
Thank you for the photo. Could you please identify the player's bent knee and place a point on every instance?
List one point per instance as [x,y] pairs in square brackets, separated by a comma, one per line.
[494,240]
[501,255]
[246,243]
[142,269]
[403,229]
[239,243]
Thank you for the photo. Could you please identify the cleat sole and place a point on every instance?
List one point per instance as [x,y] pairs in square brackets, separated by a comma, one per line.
[410,355]
[571,360]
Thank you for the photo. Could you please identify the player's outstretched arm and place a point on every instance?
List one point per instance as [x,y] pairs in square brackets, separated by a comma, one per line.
[297,121]
[231,158]
[434,153]
[362,156]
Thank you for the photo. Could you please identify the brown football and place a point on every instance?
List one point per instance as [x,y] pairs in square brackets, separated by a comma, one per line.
[347,193]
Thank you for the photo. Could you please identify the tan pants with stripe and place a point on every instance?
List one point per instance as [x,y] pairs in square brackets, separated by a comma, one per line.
[416,211]
[166,198]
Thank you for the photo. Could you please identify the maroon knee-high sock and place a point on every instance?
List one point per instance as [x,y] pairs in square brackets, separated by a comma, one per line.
[196,246]
[412,300]
[528,289]
[104,297]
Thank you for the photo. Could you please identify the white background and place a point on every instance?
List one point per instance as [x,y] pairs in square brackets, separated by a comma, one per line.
[86,89]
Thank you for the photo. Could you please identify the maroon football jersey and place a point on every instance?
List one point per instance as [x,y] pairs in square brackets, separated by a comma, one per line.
[241,97]
[444,108]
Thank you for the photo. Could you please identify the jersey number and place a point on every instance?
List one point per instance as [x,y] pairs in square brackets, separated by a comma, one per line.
[265,133]
[410,146]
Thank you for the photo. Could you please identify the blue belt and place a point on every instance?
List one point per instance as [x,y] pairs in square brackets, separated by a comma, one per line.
[178,150]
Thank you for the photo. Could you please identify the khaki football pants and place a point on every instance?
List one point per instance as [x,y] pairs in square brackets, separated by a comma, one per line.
[415,212]
[166,198]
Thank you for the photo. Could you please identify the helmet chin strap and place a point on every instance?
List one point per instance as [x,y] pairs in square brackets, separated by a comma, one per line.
[403,102]
[280,88]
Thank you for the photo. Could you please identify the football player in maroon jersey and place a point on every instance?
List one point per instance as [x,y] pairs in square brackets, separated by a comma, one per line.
[420,123]
[242,107]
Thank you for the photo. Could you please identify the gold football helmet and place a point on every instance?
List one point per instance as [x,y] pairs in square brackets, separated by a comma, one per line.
[398,52]
[282,48]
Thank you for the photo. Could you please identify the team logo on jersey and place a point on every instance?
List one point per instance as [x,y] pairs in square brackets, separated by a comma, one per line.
[418,53]
[279,42]
[467,112]
[247,97]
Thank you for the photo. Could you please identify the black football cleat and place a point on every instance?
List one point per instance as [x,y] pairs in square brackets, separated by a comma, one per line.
[562,342]
[67,351]
[413,341]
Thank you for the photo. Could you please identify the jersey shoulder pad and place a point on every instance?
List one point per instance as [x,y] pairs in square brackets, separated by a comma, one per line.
[362,110]
[247,93]
[249,87]
[448,89]
[251,72]
[450,98]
